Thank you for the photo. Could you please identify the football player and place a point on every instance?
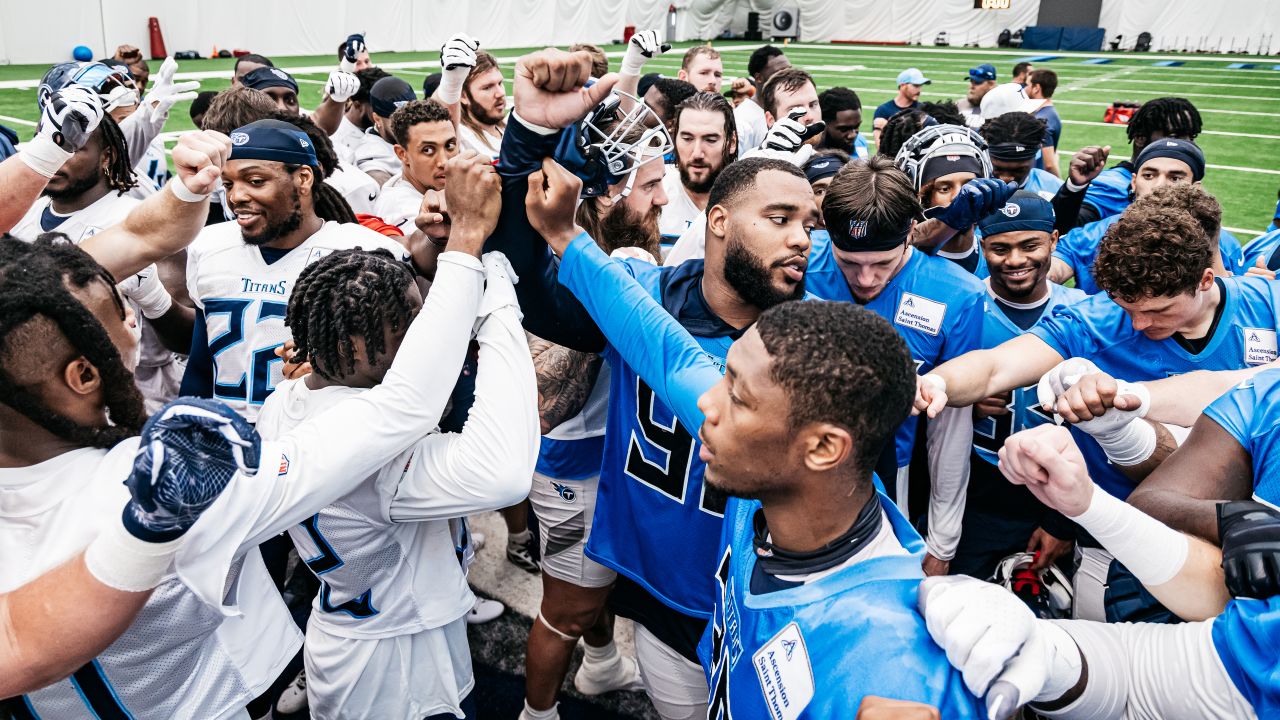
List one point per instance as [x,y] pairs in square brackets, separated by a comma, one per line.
[1013,139]
[1161,163]
[748,116]
[425,141]
[702,67]
[375,153]
[842,112]
[277,83]
[240,274]
[705,142]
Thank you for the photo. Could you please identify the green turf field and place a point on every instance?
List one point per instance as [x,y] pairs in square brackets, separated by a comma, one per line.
[1240,108]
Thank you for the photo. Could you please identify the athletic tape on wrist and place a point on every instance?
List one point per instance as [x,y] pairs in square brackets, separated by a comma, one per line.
[449,91]
[1129,445]
[1153,552]
[180,191]
[122,561]
[43,155]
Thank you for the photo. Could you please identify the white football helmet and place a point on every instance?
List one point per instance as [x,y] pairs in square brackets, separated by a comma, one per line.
[614,142]
[1047,592]
[938,141]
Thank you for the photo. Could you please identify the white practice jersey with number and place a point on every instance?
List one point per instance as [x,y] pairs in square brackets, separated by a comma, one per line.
[180,658]
[244,301]
[379,578]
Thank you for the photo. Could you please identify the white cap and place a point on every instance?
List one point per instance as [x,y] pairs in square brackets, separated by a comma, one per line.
[1007,98]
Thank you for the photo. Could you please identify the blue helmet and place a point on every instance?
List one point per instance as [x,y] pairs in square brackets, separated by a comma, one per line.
[114,84]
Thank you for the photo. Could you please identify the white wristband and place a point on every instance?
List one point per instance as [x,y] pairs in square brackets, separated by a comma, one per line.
[122,561]
[151,296]
[43,155]
[1130,444]
[1072,187]
[180,191]
[1152,551]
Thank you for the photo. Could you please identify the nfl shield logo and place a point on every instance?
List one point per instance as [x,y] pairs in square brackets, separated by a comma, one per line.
[857,229]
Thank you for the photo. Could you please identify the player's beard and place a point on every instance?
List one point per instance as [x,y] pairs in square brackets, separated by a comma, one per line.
[620,226]
[74,189]
[703,186]
[276,230]
[483,114]
[749,277]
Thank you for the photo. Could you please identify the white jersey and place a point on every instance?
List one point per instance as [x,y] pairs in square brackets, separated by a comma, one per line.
[346,138]
[398,203]
[357,188]
[179,658]
[373,153]
[680,212]
[483,143]
[104,212]
[244,300]
[152,173]
[748,118]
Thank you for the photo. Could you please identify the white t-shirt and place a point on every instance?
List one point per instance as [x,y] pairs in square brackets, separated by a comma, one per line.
[244,302]
[106,211]
[346,138]
[748,117]
[359,190]
[679,213]
[180,658]
[486,144]
[373,153]
[398,203]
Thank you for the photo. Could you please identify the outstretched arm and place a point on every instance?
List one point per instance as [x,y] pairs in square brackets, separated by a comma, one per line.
[980,374]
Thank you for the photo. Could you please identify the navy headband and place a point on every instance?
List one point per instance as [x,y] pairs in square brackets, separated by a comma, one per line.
[852,234]
[1025,210]
[269,77]
[1012,152]
[822,167]
[1184,150]
[273,140]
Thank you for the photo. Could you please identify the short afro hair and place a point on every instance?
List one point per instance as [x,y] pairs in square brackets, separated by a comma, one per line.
[413,113]
[1152,251]
[834,100]
[760,57]
[842,364]
[740,176]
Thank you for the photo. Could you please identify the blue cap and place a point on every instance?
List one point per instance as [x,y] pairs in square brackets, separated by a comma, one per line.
[982,73]
[269,77]
[912,76]
[273,140]
[1025,210]
[1184,150]
[822,166]
[388,94]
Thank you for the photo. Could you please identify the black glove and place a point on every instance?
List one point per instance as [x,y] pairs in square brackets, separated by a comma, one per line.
[1250,534]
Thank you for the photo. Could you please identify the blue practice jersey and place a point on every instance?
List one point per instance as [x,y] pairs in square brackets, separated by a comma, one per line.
[936,306]
[1109,192]
[1099,330]
[990,433]
[1263,246]
[1042,183]
[1250,412]
[655,522]
[815,650]
[860,149]
[1246,636]
[1079,249]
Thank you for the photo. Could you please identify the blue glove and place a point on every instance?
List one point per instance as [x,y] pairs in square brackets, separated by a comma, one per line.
[977,199]
[187,454]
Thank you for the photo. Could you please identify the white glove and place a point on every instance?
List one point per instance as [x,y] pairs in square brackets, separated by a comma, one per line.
[1061,378]
[786,134]
[998,645]
[457,58]
[165,93]
[797,157]
[350,51]
[341,86]
[644,46]
[499,287]
[148,292]
[69,117]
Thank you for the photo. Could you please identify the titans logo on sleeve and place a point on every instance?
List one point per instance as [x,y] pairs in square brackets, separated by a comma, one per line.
[1098,329]
[936,306]
[1250,413]
[815,650]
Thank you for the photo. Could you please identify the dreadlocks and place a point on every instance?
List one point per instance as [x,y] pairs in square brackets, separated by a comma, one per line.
[1170,116]
[344,295]
[899,130]
[328,201]
[1014,127]
[120,176]
[34,283]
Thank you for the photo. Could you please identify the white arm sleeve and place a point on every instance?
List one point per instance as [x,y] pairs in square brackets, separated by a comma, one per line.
[138,132]
[489,465]
[325,457]
[1151,672]
[949,443]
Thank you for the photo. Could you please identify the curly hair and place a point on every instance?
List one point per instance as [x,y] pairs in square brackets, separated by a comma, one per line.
[1152,251]
[840,363]
[1170,116]
[1194,199]
[899,130]
[413,113]
[946,112]
[345,295]
[36,281]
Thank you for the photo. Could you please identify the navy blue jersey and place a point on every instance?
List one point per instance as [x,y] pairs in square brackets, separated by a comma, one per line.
[1099,330]
[890,108]
[990,433]
[1250,412]
[1053,129]
[936,306]
[1079,249]
[1263,246]
[655,522]
[815,650]
[1109,192]
[1246,636]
